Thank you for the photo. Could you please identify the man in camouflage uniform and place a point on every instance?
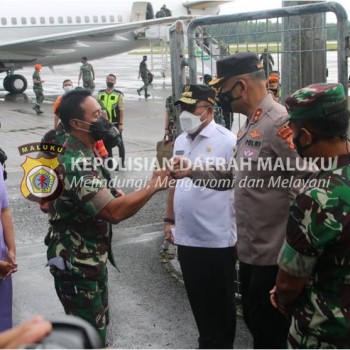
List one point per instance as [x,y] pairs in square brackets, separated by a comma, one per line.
[170,117]
[88,75]
[144,74]
[80,235]
[38,89]
[314,264]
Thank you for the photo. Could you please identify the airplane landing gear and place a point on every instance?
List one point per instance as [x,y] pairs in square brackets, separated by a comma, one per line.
[15,83]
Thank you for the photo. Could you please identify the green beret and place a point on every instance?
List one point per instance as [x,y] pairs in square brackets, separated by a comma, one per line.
[316,101]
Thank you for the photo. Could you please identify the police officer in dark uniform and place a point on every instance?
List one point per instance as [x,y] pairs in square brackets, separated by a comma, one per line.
[265,158]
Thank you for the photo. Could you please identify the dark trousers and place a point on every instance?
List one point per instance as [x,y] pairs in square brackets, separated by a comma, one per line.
[121,149]
[268,326]
[208,274]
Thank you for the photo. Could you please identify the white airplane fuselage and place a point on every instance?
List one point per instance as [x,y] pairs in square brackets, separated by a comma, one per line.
[61,32]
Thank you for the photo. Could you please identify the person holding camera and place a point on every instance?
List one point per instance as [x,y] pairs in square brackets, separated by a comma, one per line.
[80,235]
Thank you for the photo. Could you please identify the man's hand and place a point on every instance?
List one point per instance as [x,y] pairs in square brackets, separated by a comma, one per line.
[6,268]
[274,301]
[119,193]
[168,234]
[11,258]
[120,128]
[181,167]
[26,333]
[160,179]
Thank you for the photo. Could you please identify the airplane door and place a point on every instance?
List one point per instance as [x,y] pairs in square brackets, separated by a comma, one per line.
[141,11]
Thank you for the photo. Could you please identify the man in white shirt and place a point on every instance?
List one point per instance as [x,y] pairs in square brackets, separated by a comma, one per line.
[201,221]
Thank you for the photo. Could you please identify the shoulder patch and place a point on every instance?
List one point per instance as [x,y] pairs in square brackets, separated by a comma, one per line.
[286,134]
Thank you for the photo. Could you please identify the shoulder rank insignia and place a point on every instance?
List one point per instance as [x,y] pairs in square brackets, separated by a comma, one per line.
[257,115]
[286,134]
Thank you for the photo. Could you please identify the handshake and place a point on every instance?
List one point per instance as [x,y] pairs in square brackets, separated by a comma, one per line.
[175,168]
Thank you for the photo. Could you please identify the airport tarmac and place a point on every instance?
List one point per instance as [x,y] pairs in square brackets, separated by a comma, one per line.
[149,308]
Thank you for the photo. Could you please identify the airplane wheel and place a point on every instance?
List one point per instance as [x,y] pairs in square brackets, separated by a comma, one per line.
[15,83]
[6,82]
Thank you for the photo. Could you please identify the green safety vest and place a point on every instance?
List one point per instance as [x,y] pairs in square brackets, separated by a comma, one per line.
[110,103]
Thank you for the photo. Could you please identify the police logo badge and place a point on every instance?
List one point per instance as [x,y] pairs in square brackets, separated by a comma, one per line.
[41,182]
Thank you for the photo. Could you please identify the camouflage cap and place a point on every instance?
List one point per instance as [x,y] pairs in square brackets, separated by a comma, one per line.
[316,101]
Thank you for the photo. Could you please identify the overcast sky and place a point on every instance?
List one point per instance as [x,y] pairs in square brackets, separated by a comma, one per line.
[256,5]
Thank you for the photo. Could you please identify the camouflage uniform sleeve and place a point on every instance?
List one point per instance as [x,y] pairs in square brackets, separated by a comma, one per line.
[90,190]
[312,225]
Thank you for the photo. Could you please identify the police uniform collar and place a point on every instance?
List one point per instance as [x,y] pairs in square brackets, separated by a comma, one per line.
[262,107]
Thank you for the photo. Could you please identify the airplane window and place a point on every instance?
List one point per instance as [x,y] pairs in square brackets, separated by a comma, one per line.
[32,20]
[14,20]
[78,19]
[120,18]
[95,19]
[51,20]
[111,19]
[60,20]
[69,19]
[103,19]
[3,21]
[87,19]
[24,20]
[42,20]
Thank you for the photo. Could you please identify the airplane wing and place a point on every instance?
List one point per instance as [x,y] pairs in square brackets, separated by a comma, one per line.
[89,34]
[204,3]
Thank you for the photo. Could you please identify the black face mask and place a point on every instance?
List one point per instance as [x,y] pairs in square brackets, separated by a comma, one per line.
[226,99]
[109,84]
[100,128]
[300,149]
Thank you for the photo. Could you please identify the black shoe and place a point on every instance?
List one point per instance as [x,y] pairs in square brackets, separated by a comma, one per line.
[139,92]
[146,96]
[39,111]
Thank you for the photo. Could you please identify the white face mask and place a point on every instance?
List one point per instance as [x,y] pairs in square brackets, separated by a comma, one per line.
[67,88]
[190,122]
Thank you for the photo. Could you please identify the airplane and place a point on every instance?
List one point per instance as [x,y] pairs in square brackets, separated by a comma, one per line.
[61,32]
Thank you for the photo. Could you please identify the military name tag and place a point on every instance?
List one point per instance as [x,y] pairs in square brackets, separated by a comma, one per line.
[179,153]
